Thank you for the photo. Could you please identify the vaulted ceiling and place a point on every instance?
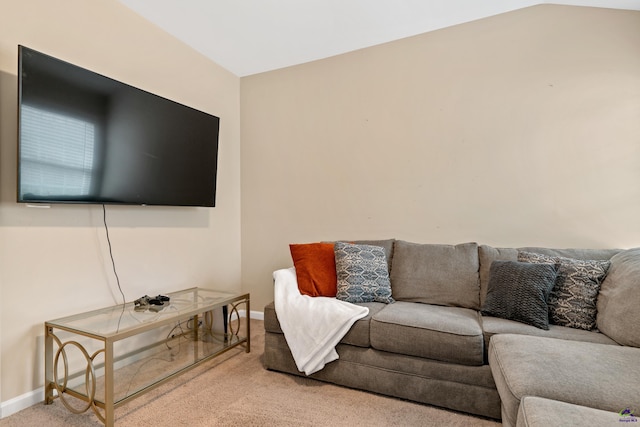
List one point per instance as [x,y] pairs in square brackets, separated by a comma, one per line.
[252,36]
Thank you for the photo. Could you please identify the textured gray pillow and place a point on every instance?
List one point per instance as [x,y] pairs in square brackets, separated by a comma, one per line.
[572,301]
[519,291]
[362,272]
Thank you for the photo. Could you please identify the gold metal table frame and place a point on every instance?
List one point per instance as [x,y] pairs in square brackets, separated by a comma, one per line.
[160,356]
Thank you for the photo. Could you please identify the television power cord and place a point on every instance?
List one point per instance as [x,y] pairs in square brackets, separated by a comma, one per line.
[113,263]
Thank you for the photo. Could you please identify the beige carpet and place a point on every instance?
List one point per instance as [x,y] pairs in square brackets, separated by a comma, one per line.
[236,390]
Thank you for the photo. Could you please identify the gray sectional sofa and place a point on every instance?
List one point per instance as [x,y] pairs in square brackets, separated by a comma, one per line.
[434,345]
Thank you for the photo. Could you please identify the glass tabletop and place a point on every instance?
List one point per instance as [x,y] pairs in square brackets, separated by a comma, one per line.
[125,318]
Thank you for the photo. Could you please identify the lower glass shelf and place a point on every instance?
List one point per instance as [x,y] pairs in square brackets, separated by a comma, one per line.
[139,370]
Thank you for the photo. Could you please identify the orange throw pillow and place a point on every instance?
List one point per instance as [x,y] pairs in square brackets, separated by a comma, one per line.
[315,265]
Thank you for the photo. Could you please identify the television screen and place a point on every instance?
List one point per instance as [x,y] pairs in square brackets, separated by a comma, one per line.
[86,138]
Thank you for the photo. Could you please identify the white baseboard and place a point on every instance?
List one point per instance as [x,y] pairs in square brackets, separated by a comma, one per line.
[257,315]
[21,402]
[31,398]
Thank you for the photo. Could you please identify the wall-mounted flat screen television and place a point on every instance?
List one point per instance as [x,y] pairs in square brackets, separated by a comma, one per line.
[86,138]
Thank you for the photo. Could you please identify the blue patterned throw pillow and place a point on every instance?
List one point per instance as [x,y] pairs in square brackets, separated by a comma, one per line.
[362,273]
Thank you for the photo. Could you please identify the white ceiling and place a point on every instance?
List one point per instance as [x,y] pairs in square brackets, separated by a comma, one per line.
[252,36]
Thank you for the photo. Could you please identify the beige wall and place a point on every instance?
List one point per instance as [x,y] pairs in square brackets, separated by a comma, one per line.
[55,262]
[520,129]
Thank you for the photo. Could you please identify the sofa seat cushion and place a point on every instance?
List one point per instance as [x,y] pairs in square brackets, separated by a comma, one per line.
[494,325]
[539,412]
[447,334]
[599,376]
[358,335]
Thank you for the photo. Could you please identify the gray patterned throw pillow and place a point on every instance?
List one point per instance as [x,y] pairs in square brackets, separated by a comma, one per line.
[519,291]
[362,273]
[572,301]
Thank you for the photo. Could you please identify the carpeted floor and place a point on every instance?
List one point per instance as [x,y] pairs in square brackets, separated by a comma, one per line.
[236,390]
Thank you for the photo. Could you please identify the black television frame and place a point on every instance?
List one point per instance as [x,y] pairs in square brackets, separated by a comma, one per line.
[204,162]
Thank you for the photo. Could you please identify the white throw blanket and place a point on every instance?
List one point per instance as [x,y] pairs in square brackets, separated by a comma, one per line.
[312,326]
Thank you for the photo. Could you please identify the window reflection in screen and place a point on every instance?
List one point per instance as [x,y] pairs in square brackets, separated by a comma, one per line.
[63,147]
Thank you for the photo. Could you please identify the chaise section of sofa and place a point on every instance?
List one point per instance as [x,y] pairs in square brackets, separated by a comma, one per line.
[594,377]
[539,412]
[599,376]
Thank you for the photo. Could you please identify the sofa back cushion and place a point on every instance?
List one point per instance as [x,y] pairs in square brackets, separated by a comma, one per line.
[486,255]
[618,313]
[436,274]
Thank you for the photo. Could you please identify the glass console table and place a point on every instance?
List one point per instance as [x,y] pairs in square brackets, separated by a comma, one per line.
[120,352]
